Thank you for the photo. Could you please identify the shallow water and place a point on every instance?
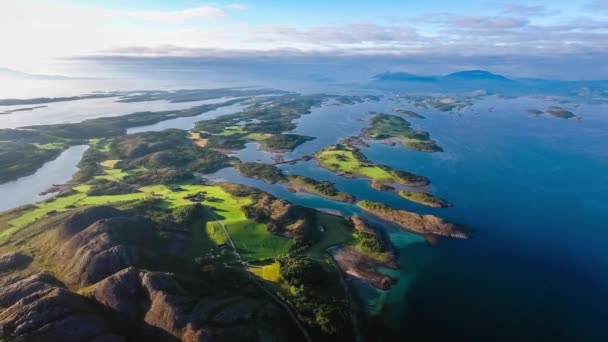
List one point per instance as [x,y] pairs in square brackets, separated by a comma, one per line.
[26,190]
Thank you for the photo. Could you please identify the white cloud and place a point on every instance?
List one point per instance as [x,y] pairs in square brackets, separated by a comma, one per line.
[201,12]
[237,6]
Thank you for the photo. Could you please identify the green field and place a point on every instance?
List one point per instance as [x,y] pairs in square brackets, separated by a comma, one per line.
[346,161]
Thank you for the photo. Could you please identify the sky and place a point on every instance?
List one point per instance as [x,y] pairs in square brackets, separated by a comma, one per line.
[38,34]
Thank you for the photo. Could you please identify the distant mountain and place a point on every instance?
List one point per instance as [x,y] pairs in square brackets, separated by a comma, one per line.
[9,74]
[468,80]
[403,76]
[474,75]
[471,80]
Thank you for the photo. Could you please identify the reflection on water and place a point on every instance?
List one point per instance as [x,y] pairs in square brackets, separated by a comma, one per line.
[26,190]
[77,111]
[187,123]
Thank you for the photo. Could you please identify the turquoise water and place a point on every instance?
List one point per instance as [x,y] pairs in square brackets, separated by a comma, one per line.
[535,190]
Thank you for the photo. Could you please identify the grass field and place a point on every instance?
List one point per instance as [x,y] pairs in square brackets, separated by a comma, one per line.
[346,161]
[253,240]
[336,231]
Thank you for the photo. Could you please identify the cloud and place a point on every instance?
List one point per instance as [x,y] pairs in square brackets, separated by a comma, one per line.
[598,5]
[236,6]
[201,12]
[482,22]
[528,10]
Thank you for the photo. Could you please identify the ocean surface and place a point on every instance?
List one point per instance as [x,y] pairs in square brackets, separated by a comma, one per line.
[535,191]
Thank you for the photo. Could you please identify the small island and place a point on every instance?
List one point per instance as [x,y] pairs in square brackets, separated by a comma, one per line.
[391,129]
[296,183]
[410,113]
[427,225]
[555,111]
[348,161]
[424,199]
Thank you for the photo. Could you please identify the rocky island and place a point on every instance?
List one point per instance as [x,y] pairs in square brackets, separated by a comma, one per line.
[391,128]
[421,224]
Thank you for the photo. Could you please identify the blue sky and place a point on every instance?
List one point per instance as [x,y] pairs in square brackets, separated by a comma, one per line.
[35,32]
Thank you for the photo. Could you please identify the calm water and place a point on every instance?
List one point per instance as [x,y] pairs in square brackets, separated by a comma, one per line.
[26,190]
[77,111]
[534,189]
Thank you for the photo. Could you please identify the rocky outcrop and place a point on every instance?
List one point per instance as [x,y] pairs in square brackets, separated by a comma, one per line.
[359,265]
[421,224]
[13,260]
[37,308]
[81,220]
[159,303]
[104,248]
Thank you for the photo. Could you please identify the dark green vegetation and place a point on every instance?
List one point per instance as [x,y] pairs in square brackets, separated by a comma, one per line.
[265,172]
[114,126]
[23,152]
[284,142]
[266,123]
[324,188]
[187,214]
[560,112]
[104,187]
[410,113]
[316,295]
[189,95]
[10,111]
[22,159]
[272,174]
[385,127]
[424,199]
[421,224]
[40,100]
[347,160]
[442,103]
[164,157]
[555,111]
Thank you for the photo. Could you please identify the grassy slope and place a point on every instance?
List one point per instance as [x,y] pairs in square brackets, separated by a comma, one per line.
[345,161]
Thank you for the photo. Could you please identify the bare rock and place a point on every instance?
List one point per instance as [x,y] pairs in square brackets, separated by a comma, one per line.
[13,260]
[104,248]
[81,220]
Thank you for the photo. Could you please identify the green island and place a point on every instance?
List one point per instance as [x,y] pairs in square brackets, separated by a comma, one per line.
[427,225]
[348,161]
[424,199]
[391,128]
[443,103]
[555,111]
[272,174]
[410,113]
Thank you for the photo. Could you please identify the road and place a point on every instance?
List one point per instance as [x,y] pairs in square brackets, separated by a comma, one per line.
[256,281]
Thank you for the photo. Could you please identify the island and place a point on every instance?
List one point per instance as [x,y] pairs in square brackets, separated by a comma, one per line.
[422,224]
[424,199]
[410,113]
[555,111]
[391,129]
[296,183]
[348,161]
